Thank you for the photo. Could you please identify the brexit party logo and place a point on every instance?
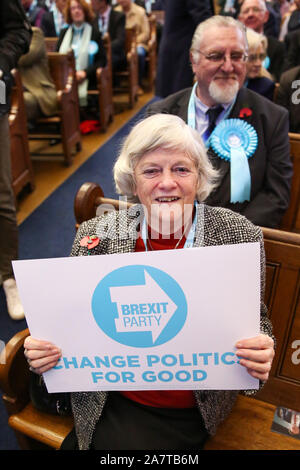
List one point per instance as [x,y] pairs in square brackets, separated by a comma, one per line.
[139,306]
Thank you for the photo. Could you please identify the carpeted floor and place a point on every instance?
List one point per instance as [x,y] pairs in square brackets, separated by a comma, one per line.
[49,232]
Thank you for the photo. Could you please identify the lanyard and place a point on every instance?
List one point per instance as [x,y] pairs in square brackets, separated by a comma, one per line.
[189,242]
[191,116]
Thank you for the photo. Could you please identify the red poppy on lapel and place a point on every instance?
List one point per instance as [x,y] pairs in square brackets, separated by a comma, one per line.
[245,112]
[90,242]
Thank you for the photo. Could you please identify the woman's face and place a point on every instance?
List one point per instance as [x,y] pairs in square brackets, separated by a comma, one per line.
[255,61]
[77,13]
[166,184]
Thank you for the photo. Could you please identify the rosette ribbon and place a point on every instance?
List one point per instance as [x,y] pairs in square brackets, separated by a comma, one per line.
[92,50]
[235,140]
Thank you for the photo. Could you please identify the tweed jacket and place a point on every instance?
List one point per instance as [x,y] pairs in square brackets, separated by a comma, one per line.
[118,233]
[136,18]
[35,74]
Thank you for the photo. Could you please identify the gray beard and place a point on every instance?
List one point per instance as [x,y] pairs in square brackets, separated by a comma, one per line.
[223,95]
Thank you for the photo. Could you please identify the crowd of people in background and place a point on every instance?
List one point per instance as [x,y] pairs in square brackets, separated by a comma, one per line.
[273,65]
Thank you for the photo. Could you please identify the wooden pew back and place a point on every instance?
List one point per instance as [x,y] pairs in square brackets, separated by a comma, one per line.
[21,166]
[67,120]
[130,74]
[291,219]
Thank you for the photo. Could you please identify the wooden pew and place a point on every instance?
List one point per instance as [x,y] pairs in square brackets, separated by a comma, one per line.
[64,126]
[51,44]
[248,426]
[104,91]
[151,57]
[129,78]
[21,165]
[291,219]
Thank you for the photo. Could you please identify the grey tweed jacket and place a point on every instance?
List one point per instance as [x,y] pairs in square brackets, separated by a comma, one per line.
[118,232]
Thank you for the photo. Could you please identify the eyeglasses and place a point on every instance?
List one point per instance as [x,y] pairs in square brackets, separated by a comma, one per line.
[253,9]
[255,57]
[220,57]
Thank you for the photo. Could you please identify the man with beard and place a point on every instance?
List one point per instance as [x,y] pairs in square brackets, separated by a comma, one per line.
[246,134]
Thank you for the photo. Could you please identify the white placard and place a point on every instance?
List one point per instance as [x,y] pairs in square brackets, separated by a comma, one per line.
[160,320]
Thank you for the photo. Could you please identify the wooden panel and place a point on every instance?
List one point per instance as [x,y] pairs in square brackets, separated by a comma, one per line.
[21,166]
[282,299]
[291,219]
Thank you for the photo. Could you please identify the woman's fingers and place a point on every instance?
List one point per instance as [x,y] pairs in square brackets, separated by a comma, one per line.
[41,355]
[256,354]
[45,368]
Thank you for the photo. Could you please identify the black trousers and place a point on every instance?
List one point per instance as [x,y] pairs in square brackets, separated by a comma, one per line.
[8,220]
[127,425]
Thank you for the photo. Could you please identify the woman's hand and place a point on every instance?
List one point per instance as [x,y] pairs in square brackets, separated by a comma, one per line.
[41,355]
[256,354]
[80,76]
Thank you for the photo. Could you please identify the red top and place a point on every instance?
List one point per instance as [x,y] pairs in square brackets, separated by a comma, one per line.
[162,398]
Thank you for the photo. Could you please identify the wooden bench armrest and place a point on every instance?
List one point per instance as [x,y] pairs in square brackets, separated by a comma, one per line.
[14,373]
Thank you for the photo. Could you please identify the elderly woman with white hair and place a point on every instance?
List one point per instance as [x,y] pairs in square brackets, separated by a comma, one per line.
[163,167]
[258,78]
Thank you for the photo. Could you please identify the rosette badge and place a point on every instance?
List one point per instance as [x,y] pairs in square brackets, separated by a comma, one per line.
[235,140]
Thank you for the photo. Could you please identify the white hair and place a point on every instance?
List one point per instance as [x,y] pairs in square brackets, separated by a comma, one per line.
[216,21]
[262,4]
[256,39]
[169,133]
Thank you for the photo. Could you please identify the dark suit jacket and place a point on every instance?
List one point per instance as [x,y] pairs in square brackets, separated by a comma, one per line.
[174,71]
[290,97]
[270,166]
[116,29]
[100,59]
[276,52]
[48,25]
[294,22]
[293,51]
[263,86]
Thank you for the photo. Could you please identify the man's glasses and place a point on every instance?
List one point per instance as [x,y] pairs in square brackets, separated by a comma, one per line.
[248,10]
[220,57]
[255,57]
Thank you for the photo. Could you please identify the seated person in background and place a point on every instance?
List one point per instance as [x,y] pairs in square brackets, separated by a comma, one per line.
[110,21]
[162,158]
[288,95]
[285,20]
[254,14]
[218,56]
[136,18]
[39,89]
[258,78]
[53,21]
[294,21]
[272,26]
[293,51]
[87,44]
[34,12]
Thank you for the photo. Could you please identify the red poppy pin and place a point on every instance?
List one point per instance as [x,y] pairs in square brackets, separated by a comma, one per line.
[89,242]
[245,112]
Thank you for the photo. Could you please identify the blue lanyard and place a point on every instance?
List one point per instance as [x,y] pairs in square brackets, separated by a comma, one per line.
[189,242]
[191,116]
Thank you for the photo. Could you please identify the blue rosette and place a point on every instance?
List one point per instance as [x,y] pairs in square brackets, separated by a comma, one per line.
[92,50]
[235,140]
